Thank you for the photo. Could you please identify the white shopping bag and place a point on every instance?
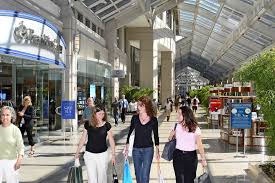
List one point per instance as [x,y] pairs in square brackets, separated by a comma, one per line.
[131,144]
[160,177]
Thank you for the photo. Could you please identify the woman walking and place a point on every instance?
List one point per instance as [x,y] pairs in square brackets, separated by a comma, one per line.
[12,146]
[188,136]
[144,124]
[96,158]
[25,115]
[168,108]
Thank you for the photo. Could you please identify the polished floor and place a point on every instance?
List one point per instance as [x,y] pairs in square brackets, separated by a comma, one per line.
[54,157]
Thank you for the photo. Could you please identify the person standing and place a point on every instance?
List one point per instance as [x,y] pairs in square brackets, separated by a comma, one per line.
[195,104]
[123,108]
[188,100]
[96,130]
[12,146]
[25,115]
[88,110]
[144,124]
[188,135]
[168,108]
[115,107]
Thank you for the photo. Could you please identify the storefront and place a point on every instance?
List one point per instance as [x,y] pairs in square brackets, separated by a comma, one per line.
[93,80]
[32,60]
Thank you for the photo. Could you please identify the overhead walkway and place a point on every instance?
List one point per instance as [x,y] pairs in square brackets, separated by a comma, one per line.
[54,158]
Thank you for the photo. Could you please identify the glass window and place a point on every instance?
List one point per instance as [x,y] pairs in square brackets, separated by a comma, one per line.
[80,17]
[87,22]
[94,27]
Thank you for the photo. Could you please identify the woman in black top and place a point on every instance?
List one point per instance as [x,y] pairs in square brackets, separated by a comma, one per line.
[25,117]
[96,157]
[144,123]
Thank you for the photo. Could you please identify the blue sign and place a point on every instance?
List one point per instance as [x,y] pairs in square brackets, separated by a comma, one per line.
[68,109]
[241,116]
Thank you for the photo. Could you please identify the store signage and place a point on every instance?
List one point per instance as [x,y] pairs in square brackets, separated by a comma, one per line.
[24,35]
[118,74]
[68,109]
[31,37]
[241,116]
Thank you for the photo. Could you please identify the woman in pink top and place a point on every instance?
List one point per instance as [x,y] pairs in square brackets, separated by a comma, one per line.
[188,135]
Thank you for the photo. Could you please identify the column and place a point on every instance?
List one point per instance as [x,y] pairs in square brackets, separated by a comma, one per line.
[111,34]
[70,73]
[148,72]
[167,76]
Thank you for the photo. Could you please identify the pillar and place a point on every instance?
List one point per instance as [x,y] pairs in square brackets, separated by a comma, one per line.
[167,76]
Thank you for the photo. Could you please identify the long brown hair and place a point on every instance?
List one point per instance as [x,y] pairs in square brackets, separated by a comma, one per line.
[94,122]
[189,119]
[147,102]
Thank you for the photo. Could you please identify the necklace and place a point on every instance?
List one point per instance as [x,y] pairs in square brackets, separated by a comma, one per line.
[143,119]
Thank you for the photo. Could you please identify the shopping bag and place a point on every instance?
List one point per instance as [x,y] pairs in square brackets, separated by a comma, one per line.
[115,179]
[160,177]
[75,173]
[204,178]
[127,178]
[131,143]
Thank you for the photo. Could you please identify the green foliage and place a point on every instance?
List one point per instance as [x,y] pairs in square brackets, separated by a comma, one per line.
[203,95]
[134,93]
[262,72]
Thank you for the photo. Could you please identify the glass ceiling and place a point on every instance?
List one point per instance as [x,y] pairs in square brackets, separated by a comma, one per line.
[225,33]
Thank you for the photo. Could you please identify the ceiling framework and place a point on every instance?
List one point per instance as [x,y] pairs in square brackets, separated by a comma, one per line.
[223,33]
[189,76]
[218,35]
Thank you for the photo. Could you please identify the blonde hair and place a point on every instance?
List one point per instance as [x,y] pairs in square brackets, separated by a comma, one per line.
[27,99]
[12,111]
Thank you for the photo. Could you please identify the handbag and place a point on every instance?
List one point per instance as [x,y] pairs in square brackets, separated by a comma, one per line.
[75,173]
[115,179]
[204,178]
[127,178]
[169,148]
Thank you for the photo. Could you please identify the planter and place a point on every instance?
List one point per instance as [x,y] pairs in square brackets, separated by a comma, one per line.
[257,174]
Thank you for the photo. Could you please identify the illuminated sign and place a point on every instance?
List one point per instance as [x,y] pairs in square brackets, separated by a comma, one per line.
[31,37]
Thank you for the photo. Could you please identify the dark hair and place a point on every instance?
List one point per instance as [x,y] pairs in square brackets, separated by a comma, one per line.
[189,119]
[97,108]
[146,101]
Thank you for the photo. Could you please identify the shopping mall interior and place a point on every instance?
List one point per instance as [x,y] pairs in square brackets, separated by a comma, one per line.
[70,50]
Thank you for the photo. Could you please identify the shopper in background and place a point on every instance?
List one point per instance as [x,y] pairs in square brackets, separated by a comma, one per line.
[12,146]
[25,115]
[188,136]
[88,110]
[144,123]
[123,108]
[115,107]
[168,108]
[96,158]
[195,104]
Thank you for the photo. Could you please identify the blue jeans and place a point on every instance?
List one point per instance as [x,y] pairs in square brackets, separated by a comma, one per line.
[142,158]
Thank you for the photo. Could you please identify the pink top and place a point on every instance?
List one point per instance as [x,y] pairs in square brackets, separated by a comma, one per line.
[186,141]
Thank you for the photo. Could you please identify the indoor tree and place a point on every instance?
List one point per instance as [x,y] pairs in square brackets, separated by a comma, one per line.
[261,71]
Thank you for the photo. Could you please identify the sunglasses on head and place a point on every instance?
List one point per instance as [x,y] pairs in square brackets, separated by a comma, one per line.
[97,109]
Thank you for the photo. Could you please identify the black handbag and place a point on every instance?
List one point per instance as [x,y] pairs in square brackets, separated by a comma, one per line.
[169,148]
[115,178]
[204,178]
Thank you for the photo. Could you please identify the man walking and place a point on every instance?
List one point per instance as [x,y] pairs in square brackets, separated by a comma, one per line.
[123,108]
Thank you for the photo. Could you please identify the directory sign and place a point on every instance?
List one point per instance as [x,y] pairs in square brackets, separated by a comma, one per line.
[241,116]
[68,109]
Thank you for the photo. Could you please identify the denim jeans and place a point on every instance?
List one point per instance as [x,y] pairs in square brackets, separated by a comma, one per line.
[142,158]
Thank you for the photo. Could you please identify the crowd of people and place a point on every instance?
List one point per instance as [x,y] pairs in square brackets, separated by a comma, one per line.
[97,129]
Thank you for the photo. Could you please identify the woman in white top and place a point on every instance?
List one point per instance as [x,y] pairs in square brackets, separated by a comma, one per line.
[188,136]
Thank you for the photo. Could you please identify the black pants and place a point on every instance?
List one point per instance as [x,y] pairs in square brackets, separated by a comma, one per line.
[122,115]
[185,166]
[28,129]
